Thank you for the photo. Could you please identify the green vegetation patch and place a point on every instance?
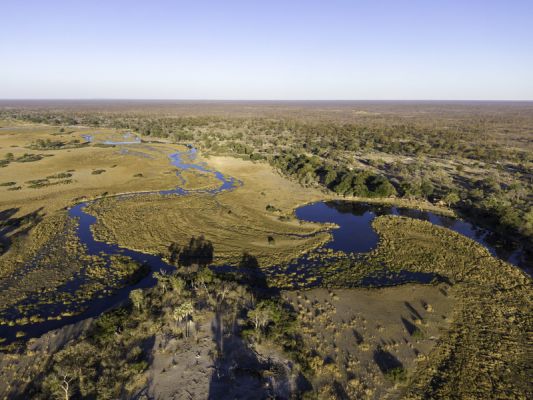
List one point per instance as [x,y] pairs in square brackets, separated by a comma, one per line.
[48,144]
[60,175]
[40,183]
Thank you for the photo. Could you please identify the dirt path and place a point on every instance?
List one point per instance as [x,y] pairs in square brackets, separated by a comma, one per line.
[182,369]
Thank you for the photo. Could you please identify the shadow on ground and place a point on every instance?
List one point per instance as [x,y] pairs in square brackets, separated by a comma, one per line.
[11,226]
[385,360]
[241,372]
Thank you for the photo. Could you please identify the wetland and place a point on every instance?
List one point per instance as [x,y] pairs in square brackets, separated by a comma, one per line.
[294,275]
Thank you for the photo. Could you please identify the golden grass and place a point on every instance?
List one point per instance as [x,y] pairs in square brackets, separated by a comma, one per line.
[484,353]
[235,221]
[121,174]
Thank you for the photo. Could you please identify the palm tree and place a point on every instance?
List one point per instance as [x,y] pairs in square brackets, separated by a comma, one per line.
[182,313]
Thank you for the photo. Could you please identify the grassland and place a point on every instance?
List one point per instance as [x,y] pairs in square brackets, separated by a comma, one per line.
[489,336]
[447,340]
[356,338]
[413,341]
[40,250]
[43,254]
[236,222]
[129,168]
[466,338]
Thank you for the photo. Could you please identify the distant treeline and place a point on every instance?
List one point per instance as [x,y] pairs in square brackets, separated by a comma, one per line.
[482,164]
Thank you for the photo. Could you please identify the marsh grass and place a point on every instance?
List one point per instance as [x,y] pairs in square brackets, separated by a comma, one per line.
[493,297]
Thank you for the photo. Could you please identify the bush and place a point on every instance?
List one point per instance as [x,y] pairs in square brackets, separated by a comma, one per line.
[397,374]
[271,208]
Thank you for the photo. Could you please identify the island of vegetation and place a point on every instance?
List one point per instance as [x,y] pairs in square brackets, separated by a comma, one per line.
[258,250]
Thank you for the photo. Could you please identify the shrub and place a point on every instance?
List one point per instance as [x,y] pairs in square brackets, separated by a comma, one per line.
[397,374]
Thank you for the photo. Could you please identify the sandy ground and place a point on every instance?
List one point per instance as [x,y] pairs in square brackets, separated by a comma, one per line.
[182,369]
[189,368]
[359,334]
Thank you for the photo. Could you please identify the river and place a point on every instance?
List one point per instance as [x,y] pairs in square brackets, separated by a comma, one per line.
[353,235]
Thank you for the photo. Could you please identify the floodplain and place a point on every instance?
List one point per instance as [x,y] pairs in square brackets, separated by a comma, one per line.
[200,255]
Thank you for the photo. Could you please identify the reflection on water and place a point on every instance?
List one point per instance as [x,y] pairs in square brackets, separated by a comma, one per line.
[356,235]
[95,306]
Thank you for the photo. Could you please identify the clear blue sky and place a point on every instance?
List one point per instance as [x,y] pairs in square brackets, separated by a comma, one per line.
[267,49]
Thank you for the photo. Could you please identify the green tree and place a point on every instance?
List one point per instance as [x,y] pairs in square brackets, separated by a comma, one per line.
[330,177]
[451,198]
[73,372]
[380,186]
[345,184]
[527,227]
[410,190]
[427,188]
[137,297]
[177,284]
[182,313]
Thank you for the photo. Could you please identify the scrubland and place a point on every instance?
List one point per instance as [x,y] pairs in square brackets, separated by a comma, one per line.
[266,328]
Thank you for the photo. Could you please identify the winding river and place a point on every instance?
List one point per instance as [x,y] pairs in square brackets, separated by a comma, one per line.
[354,235]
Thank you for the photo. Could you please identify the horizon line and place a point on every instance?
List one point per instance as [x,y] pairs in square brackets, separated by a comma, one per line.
[253,100]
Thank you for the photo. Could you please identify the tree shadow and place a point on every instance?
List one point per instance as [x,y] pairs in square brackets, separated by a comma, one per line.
[412,309]
[409,326]
[240,371]
[358,337]
[199,251]
[385,360]
[11,226]
[249,272]
[340,392]
[349,207]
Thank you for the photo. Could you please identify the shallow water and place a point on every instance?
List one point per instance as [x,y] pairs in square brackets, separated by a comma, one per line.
[129,138]
[94,307]
[354,235]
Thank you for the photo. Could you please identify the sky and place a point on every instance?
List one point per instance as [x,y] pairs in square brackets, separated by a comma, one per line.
[267,49]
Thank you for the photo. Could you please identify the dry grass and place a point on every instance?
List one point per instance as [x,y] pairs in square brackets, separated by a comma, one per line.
[484,354]
[481,321]
[236,221]
[121,166]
